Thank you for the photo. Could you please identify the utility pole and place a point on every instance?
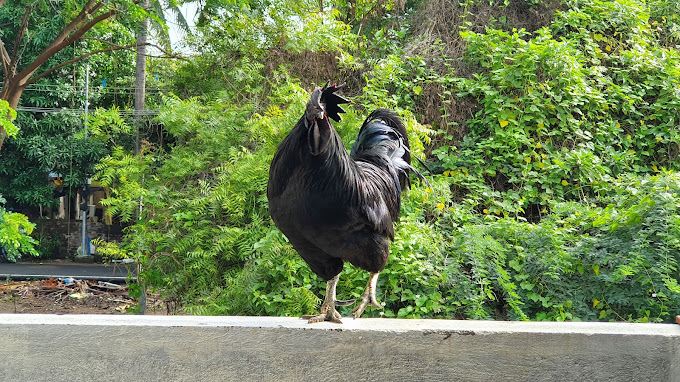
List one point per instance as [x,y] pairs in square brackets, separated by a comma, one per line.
[140,93]
[85,192]
[140,74]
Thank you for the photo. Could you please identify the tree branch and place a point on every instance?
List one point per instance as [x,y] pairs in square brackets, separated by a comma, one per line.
[20,35]
[66,37]
[81,30]
[4,57]
[77,20]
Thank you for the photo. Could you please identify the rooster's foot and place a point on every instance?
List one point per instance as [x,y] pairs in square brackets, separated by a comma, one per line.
[328,313]
[368,298]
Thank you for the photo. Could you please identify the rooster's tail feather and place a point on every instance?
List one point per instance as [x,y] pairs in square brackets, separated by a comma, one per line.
[383,141]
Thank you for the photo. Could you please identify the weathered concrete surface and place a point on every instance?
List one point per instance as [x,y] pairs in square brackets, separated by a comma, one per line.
[181,348]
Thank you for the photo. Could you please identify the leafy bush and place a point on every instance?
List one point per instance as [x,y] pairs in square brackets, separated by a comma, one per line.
[564,110]
[584,262]
[15,231]
[8,128]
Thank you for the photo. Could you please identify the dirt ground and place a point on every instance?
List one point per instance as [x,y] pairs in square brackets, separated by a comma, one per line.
[71,297]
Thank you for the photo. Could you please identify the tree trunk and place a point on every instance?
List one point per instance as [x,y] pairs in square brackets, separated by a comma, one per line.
[140,73]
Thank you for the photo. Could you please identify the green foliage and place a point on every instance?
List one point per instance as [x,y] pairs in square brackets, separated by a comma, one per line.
[203,206]
[244,42]
[555,197]
[560,116]
[583,262]
[15,231]
[7,115]
[47,245]
[43,146]
[123,174]
[106,125]
[49,140]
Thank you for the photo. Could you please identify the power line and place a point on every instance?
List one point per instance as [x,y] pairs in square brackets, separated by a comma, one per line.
[49,88]
[107,93]
[101,93]
[46,87]
[146,112]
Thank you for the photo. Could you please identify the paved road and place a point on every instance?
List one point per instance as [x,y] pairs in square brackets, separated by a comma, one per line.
[101,272]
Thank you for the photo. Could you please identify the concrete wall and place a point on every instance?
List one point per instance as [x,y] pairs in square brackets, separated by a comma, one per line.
[182,348]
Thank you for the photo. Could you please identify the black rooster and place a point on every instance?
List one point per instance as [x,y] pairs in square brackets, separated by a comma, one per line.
[336,207]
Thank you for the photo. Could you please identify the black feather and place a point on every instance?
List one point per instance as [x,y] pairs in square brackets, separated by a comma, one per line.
[384,134]
[334,206]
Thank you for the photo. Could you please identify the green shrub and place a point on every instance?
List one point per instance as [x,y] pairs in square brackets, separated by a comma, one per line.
[582,262]
[15,231]
[565,109]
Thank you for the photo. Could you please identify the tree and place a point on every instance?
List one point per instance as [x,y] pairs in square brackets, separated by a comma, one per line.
[52,138]
[20,70]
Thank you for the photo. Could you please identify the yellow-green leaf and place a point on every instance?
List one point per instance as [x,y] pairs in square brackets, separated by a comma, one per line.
[503,123]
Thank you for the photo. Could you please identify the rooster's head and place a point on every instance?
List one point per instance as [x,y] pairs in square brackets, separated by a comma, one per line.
[325,103]
[316,108]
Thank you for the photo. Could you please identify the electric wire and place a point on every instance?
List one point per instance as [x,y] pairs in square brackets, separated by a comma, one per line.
[31,109]
[102,90]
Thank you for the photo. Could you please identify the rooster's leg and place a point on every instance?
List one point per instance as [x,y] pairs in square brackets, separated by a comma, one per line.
[368,298]
[328,312]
